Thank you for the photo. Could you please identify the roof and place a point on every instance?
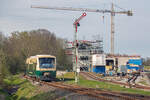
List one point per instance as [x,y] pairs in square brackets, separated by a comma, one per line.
[40,56]
[33,58]
[136,56]
[45,56]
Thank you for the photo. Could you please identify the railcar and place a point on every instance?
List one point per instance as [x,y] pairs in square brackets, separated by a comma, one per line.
[42,67]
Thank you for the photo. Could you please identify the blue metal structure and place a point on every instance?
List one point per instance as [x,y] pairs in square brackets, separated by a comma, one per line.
[135,61]
[99,69]
[134,64]
[132,67]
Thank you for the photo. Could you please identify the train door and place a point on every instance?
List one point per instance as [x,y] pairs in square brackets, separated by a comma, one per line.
[32,69]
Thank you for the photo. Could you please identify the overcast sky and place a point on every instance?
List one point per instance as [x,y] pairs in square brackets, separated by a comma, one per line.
[131,33]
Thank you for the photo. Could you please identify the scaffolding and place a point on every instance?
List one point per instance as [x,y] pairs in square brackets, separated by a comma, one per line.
[85,50]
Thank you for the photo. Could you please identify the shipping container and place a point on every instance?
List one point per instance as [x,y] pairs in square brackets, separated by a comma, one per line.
[99,69]
[135,61]
[98,59]
[132,68]
[133,65]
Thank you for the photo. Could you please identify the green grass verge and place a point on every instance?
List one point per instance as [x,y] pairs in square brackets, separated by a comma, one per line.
[26,90]
[8,82]
[146,67]
[143,82]
[4,94]
[44,96]
[13,80]
[104,85]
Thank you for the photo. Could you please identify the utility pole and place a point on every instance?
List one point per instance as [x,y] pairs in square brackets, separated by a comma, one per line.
[76,66]
[112,12]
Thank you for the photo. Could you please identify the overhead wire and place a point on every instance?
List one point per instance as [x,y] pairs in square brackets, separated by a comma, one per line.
[119,7]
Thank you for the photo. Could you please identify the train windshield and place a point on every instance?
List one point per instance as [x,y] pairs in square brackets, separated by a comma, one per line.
[47,62]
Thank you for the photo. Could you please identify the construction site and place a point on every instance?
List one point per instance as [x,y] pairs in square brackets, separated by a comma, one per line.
[89,55]
[91,61]
[44,71]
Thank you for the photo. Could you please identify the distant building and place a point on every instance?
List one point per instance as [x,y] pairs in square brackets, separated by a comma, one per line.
[85,51]
[91,57]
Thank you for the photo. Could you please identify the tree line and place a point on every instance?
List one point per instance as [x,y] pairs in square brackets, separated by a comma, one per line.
[14,50]
[146,61]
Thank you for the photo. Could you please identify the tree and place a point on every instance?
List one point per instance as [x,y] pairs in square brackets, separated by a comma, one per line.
[146,61]
[21,45]
[4,70]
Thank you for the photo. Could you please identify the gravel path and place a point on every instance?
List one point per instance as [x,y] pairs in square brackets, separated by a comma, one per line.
[2,97]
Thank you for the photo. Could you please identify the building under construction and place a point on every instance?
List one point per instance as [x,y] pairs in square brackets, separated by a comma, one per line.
[85,50]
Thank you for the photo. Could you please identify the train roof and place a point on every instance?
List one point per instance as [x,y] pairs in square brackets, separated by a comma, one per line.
[40,56]
[45,56]
[33,58]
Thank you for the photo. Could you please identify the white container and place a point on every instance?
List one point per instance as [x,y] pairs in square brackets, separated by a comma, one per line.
[99,59]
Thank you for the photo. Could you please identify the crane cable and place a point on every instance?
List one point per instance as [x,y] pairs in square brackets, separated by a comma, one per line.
[119,7]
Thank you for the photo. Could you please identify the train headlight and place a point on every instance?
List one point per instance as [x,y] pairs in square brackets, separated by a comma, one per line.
[46,74]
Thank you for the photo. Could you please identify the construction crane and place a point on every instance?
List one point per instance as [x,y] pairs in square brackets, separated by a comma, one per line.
[112,13]
[76,67]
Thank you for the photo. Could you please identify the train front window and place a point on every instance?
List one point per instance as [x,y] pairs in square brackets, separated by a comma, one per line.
[46,62]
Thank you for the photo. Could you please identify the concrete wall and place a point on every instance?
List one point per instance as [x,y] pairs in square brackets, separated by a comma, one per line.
[98,59]
[122,60]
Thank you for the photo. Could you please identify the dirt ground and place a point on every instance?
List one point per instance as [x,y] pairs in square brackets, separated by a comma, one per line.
[61,94]
[2,97]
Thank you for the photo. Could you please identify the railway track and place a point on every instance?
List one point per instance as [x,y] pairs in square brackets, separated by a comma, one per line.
[92,76]
[100,94]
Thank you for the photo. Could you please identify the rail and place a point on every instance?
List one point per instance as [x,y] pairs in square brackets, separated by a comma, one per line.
[90,75]
[101,94]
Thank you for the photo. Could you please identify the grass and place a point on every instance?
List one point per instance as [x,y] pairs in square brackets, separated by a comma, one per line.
[146,67]
[6,96]
[8,83]
[104,85]
[143,82]
[44,96]
[68,77]
[13,80]
[26,90]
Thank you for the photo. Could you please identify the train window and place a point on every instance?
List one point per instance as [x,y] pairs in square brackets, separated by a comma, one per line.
[47,62]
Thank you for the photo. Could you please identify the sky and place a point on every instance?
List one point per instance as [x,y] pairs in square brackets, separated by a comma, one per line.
[131,33]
